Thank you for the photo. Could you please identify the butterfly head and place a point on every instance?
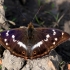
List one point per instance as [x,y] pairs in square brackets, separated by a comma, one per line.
[30,26]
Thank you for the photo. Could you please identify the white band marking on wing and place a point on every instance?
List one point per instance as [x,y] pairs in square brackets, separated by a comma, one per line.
[21,44]
[37,45]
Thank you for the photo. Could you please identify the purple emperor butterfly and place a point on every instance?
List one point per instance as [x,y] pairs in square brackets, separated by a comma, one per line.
[30,42]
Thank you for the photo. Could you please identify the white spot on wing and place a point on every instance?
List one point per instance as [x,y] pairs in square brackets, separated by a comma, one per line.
[7,33]
[13,36]
[14,40]
[6,43]
[47,35]
[53,43]
[55,39]
[21,44]
[62,33]
[5,40]
[54,32]
[37,45]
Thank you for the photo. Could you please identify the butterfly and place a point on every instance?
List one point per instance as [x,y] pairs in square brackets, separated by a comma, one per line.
[30,42]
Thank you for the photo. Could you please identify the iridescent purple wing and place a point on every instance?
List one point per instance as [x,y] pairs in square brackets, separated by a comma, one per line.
[46,40]
[15,41]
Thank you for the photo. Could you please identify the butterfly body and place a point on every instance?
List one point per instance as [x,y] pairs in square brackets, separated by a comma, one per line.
[30,42]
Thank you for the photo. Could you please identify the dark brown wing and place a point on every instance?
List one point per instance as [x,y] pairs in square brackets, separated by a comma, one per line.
[46,40]
[15,41]
[43,40]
